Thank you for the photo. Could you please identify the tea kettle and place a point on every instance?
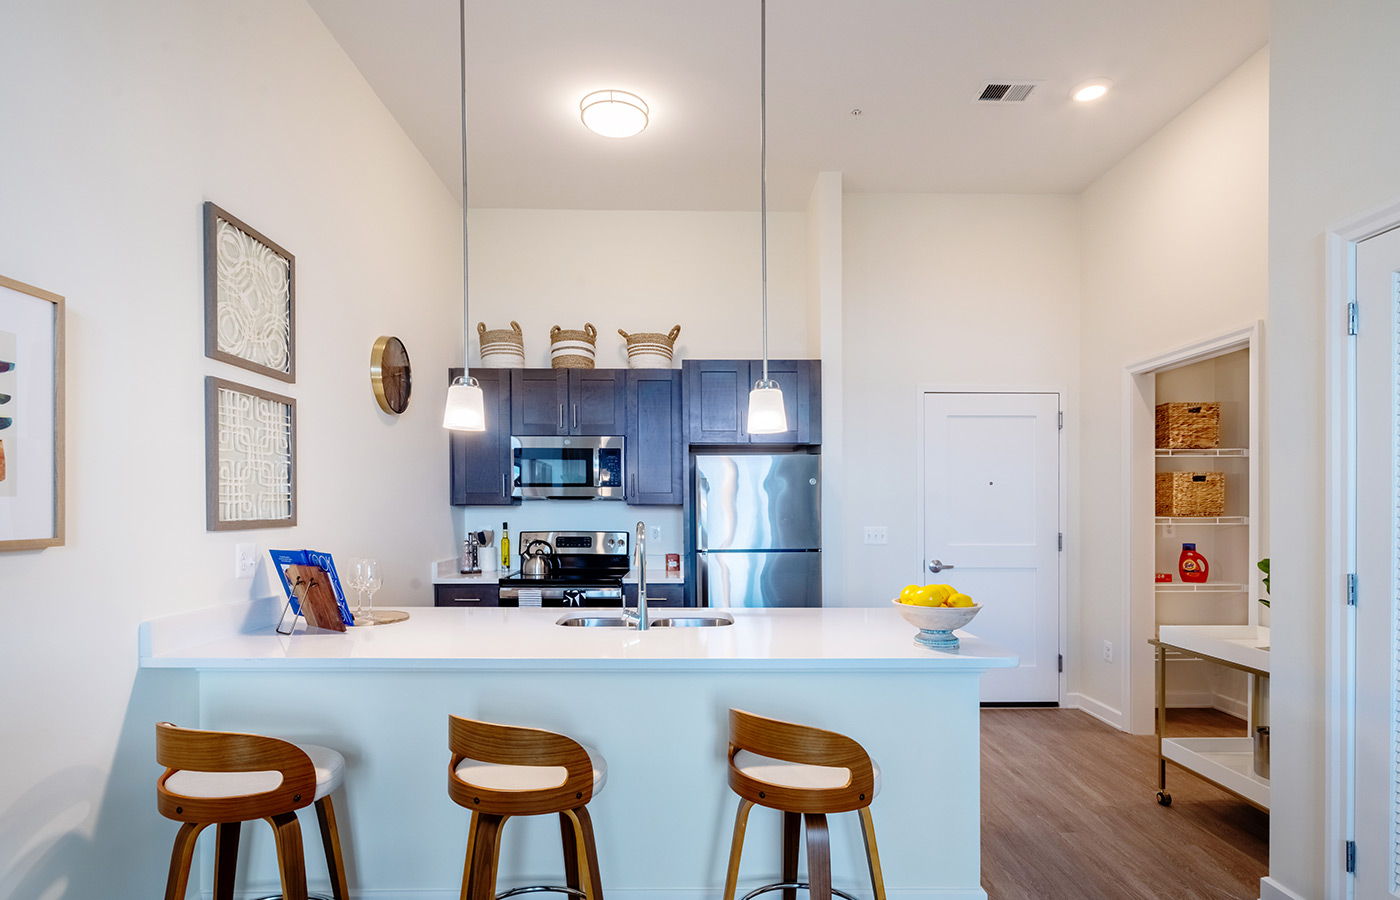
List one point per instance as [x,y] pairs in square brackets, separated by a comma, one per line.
[537,563]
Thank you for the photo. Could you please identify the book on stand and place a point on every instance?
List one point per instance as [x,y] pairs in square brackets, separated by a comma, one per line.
[313,588]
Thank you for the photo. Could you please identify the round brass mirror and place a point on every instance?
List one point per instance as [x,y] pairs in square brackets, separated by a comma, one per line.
[390,374]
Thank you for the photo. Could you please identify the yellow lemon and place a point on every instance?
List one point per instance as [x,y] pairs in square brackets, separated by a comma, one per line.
[908,593]
[960,600]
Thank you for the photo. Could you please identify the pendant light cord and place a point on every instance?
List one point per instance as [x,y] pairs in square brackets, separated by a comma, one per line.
[763,165]
[466,316]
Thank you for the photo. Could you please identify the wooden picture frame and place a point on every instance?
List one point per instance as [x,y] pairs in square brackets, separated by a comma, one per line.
[31,417]
[249,297]
[250,457]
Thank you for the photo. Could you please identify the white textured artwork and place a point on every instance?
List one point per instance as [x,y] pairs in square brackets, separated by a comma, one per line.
[255,458]
[9,422]
[254,299]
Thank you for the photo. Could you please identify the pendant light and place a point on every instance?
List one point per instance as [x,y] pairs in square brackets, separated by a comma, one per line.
[766,413]
[466,406]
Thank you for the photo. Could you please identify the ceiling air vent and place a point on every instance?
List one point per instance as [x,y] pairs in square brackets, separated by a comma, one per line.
[1006,91]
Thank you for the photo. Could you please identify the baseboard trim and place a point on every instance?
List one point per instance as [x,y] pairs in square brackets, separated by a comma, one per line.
[1104,713]
[1272,890]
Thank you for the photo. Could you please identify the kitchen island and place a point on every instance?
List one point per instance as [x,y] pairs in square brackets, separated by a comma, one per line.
[654,703]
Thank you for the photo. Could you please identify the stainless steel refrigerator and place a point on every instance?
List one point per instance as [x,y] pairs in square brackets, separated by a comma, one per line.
[758,530]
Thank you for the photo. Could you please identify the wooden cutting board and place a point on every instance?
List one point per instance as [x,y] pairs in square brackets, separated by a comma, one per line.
[313,586]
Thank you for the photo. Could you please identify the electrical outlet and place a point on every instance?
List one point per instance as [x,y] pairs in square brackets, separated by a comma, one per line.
[877,534]
[245,560]
[656,532]
[1108,651]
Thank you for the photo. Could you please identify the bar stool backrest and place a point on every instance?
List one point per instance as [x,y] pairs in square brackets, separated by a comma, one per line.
[802,744]
[510,745]
[193,750]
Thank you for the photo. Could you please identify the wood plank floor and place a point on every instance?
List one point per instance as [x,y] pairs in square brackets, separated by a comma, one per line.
[1069,812]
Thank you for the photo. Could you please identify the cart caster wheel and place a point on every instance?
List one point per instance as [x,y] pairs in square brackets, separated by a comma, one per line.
[1164,798]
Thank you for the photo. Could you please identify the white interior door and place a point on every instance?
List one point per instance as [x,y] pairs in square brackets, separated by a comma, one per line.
[1377,749]
[991,511]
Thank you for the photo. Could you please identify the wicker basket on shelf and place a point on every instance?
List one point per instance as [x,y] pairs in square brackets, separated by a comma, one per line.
[650,349]
[502,348]
[1190,494]
[573,349]
[1188,426]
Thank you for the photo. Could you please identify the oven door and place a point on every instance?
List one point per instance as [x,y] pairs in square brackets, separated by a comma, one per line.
[567,467]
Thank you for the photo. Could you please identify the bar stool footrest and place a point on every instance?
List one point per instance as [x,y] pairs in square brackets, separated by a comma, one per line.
[781,885]
[538,888]
[309,896]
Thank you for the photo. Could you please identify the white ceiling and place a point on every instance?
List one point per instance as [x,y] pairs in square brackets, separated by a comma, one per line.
[914,68]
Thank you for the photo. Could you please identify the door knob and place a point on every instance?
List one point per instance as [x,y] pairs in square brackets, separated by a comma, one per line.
[938,566]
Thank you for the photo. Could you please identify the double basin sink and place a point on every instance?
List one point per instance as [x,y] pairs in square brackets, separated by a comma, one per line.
[660,622]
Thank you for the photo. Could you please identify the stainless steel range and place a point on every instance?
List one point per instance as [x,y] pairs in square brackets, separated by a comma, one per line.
[568,568]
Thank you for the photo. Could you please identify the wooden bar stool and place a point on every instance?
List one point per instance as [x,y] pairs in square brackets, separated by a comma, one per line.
[806,773]
[499,771]
[226,778]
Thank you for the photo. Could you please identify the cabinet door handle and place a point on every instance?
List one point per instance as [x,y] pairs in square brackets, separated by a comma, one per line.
[503,484]
[632,494]
[575,417]
[561,417]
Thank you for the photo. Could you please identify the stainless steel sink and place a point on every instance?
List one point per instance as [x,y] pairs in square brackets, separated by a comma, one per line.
[663,622]
[691,621]
[593,622]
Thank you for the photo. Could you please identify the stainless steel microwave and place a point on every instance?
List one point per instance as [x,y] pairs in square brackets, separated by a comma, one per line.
[571,467]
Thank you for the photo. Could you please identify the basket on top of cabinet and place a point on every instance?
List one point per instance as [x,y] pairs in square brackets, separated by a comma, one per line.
[1188,426]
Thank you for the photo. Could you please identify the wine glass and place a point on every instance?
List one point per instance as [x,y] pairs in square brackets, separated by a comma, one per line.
[356,584]
[372,577]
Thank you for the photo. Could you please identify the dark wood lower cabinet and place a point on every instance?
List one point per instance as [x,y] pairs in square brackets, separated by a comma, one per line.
[658,595]
[466,595]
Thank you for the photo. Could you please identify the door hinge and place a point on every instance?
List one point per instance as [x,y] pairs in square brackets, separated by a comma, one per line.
[1351,589]
[1062,420]
[1062,541]
[1351,317]
[1062,662]
[1351,857]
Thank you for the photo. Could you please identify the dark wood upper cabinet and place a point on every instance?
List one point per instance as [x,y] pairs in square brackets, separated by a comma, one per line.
[480,461]
[568,401]
[655,451]
[717,400]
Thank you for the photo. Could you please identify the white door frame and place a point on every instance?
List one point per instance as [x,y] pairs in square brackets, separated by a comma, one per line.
[1139,491]
[918,574]
[1339,548]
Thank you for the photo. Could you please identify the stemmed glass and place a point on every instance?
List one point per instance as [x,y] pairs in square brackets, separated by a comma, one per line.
[370,578]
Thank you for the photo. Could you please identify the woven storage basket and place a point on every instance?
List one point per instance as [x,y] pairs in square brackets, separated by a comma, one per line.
[1188,426]
[503,348]
[1190,494]
[650,350]
[572,349]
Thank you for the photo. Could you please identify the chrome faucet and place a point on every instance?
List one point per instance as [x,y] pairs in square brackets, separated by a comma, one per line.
[639,619]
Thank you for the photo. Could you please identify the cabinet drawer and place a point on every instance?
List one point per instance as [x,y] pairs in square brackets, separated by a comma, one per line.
[467,595]
[657,595]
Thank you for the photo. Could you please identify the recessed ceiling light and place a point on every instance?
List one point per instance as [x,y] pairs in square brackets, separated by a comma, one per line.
[1091,90]
[614,114]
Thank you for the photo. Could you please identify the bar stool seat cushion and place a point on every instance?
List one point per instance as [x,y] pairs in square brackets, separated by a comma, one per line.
[329,765]
[798,775]
[499,777]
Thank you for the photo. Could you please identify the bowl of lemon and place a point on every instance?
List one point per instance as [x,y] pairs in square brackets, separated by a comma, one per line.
[936,610]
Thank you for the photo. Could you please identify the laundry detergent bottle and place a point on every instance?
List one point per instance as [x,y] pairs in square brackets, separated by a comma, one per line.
[1193,566]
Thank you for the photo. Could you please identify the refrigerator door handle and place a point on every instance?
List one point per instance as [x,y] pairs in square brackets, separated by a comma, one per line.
[702,582]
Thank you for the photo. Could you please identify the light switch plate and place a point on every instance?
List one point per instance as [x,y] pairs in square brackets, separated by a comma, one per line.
[877,534]
[245,561]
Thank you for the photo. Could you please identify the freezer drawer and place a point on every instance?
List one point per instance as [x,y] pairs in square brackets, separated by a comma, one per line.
[765,578]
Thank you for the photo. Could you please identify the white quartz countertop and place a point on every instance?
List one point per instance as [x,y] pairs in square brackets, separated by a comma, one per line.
[244,637]
[446,571]
[1244,645]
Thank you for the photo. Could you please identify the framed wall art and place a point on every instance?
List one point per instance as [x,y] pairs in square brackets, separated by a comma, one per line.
[31,417]
[250,457]
[249,298]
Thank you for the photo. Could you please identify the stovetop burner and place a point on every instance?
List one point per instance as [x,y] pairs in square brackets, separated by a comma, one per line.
[586,570]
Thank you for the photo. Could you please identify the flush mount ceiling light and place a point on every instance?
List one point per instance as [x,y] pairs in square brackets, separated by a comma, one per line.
[766,413]
[614,114]
[1091,90]
[466,406]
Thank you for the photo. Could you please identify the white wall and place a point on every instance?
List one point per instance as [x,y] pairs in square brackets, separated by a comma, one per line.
[1174,250]
[1334,89]
[120,119]
[948,291]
